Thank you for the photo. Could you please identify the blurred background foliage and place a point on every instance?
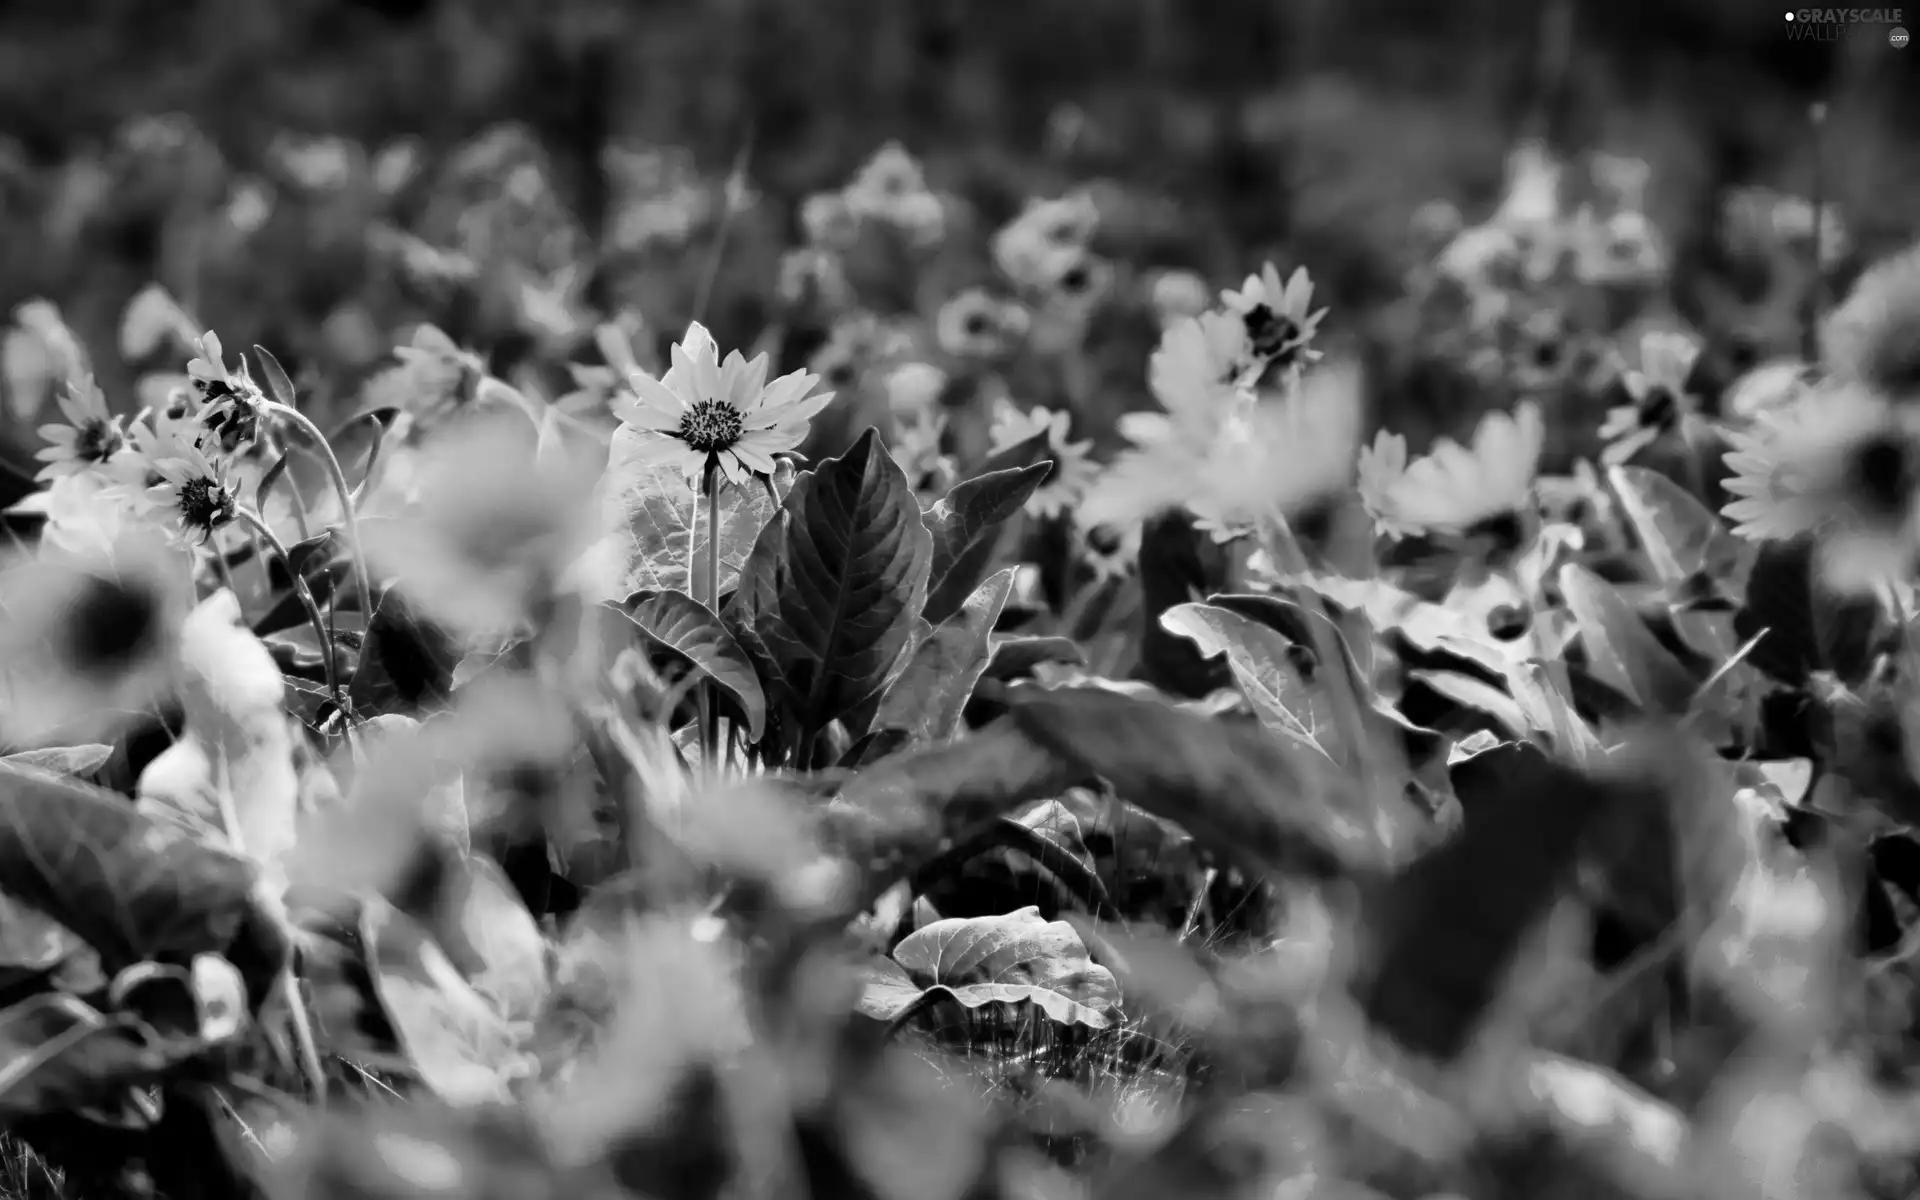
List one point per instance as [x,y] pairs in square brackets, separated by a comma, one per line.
[1307,130]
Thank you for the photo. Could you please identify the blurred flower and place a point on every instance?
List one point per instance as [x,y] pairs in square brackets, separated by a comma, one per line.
[250,206]
[1279,320]
[494,528]
[1874,337]
[915,445]
[38,352]
[709,414]
[1786,458]
[1194,373]
[1767,387]
[914,390]
[1623,178]
[91,436]
[1260,460]
[1658,389]
[396,166]
[319,164]
[1480,254]
[1455,488]
[87,639]
[1770,222]
[813,277]
[87,514]
[154,319]
[1533,187]
[1623,249]
[1112,551]
[1380,468]
[1022,248]
[829,222]
[1178,294]
[891,189]
[1073,466]
[976,324]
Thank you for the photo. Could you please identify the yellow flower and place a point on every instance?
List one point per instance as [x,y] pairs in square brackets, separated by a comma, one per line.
[1022,247]
[1874,337]
[708,414]
[1178,295]
[1381,466]
[1279,319]
[1073,467]
[976,324]
[1658,389]
[91,436]
[1455,487]
[1195,374]
[915,445]
[194,491]
[230,403]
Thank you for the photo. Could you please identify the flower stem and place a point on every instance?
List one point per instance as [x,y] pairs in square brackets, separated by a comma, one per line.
[709,698]
[314,617]
[362,578]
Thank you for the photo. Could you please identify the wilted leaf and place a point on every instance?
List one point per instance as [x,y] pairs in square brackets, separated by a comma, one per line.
[829,599]
[1010,959]
[676,622]
[971,510]
[1621,651]
[929,696]
[77,761]
[651,517]
[462,1048]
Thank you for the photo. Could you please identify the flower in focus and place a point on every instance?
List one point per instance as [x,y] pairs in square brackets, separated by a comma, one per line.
[976,324]
[193,490]
[1661,402]
[1265,459]
[91,436]
[86,640]
[708,414]
[1280,325]
[1455,488]
[230,404]
[1073,467]
[1874,337]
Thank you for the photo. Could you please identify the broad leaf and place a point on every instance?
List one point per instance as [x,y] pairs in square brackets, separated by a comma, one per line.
[134,888]
[1802,626]
[1016,657]
[651,518]
[1011,959]
[675,622]
[278,385]
[58,1054]
[1680,536]
[1258,657]
[77,761]
[964,517]
[828,601]
[495,940]
[1621,651]
[928,697]
[406,662]
[464,1050]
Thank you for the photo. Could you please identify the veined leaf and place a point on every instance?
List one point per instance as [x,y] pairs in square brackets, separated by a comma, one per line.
[928,697]
[1621,651]
[1010,959]
[965,516]
[1258,658]
[681,625]
[650,518]
[1680,536]
[829,598]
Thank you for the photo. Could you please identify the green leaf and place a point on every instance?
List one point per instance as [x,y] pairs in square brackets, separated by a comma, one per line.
[1680,536]
[278,385]
[495,940]
[1016,958]
[1016,657]
[928,697]
[650,518]
[133,887]
[1258,657]
[77,761]
[961,520]
[58,1054]
[461,1048]
[1621,651]
[677,623]
[406,662]
[828,601]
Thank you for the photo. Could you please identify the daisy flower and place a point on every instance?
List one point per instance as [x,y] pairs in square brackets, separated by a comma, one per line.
[86,515]
[829,222]
[891,188]
[1380,468]
[1073,467]
[230,403]
[976,324]
[1195,374]
[1023,247]
[708,414]
[91,436]
[915,445]
[1455,488]
[914,390]
[1279,321]
[1178,295]
[1659,393]
[1768,387]
[193,491]
[1771,503]
[1112,551]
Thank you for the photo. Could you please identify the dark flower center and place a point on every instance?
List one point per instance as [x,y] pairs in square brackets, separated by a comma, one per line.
[1884,470]
[1659,409]
[99,441]
[1075,281]
[1546,354]
[1103,539]
[1505,531]
[1272,334]
[713,425]
[205,505]
[1508,622]
[109,626]
[975,325]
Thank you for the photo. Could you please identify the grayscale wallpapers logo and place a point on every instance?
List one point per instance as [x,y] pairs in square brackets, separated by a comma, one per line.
[1833,24]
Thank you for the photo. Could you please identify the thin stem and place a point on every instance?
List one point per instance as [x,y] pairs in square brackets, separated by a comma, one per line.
[362,578]
[314,617]
[710,586]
